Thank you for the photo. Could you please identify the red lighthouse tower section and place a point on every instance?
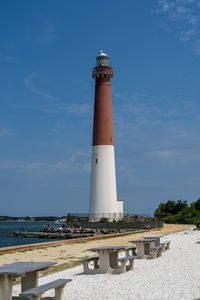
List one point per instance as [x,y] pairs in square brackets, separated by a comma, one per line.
[102,126]
[103,195]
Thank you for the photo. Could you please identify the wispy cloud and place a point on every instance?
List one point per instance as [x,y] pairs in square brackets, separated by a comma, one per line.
[4,132]
[139,112]
[60,125]
[30,83]
[157,129]
[197,47]
[47,34]
[7,58]
[176,155]
[79,109]
[76,163]
[33,82]
[144,110]
[184,17]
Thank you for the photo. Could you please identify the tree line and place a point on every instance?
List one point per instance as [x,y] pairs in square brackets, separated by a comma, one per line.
[179,212]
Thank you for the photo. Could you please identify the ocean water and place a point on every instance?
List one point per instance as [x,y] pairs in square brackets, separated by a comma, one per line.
[7,228]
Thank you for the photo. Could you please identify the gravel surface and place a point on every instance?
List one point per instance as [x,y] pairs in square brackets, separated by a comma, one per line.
[174,275]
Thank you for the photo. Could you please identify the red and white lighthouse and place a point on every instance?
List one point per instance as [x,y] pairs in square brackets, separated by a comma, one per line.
[103,194]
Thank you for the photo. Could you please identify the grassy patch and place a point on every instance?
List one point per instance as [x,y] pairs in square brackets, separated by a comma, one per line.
[53,269]
[58,268]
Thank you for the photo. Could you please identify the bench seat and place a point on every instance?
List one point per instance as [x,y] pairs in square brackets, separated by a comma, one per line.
[35,293]
[123,261]
[156,247]
[86,262]
[166,244]
[155,251]
[126,258]
[132,249]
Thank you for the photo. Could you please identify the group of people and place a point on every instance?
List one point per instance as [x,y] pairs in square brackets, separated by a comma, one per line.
[147,227]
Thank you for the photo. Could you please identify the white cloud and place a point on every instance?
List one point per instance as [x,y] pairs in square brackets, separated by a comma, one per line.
[78,109]
[183,16]
[76,163]
[31,85]
[150,122]
[186,35]
[60,125]
[7,59]
[177,155]
[4,132]
[164,6]
[165,153]
[81,109]
[47,34]
[197,47]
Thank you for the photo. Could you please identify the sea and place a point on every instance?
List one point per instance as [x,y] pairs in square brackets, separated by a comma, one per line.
[7,228]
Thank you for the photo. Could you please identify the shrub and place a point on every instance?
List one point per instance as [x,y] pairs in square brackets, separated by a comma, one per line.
[103,220]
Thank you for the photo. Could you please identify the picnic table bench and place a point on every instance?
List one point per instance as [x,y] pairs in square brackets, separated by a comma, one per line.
[28,272]
[143,247]
[131,249]
[166,244]
[123,261]
[156,237]
[36,293]
[155,251]
[86,262]
[107,260]
[29,278]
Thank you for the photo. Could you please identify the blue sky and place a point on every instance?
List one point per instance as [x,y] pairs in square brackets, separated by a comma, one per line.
[47,52]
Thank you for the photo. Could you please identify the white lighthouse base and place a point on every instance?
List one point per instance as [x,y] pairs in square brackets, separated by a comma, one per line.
[103,195]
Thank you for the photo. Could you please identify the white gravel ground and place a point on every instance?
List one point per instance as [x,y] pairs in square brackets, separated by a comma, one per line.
[175,275]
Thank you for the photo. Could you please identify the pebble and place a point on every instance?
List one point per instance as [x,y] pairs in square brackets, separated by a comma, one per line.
[173,276]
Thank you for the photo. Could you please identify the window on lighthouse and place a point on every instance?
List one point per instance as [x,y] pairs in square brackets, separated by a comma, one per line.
[96,160]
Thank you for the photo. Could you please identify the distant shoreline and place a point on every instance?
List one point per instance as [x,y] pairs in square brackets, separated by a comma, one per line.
[34,219]
[25,221]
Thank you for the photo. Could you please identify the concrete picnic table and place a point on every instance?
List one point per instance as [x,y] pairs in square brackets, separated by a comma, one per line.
[143,247]
[28,272]
[156,237]
[108,258]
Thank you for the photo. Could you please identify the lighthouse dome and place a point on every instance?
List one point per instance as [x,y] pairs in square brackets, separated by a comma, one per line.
[103,59]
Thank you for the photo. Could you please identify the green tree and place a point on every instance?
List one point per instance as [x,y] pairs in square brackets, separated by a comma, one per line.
[179,212]
[160,211]
[170,207]
[181,205]
[197,204]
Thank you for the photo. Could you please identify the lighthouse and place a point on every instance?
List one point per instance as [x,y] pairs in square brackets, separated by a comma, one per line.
[103,193]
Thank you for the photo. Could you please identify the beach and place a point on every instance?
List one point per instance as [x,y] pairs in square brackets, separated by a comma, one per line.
[175,275]
[66,253]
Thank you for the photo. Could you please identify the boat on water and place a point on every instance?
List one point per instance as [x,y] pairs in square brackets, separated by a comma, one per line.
[59,222]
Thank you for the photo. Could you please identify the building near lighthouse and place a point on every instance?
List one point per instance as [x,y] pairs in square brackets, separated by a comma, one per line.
[103,192]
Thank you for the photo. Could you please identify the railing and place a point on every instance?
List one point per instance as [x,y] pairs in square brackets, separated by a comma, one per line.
[120,225]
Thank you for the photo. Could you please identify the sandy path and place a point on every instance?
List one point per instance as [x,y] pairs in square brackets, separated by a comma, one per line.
[68,254]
